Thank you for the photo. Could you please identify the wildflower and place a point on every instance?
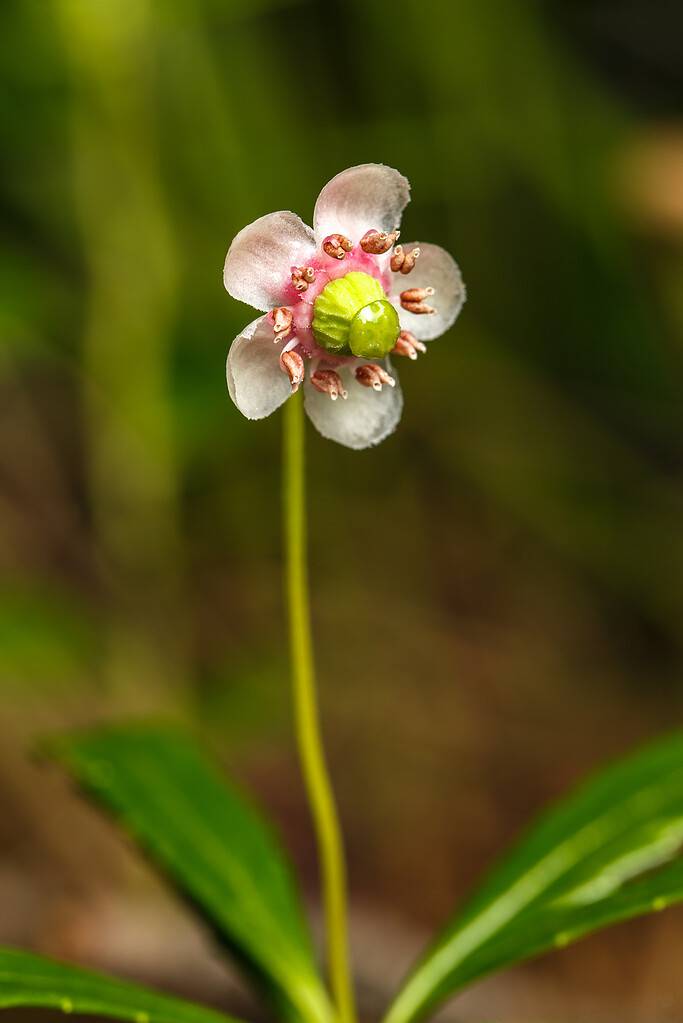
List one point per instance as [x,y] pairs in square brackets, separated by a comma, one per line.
[338,302]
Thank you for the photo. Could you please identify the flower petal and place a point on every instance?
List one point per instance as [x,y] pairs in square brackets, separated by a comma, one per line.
[438,269]
[361,198]
[256,383]
[257,266]
[364,419]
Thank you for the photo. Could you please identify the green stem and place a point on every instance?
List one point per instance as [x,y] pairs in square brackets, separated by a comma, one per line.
[311,753]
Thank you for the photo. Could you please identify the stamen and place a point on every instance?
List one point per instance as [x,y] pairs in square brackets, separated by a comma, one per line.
[337,245]
[408,345]
[410,260]
[419,308]
[413,300]
[329,382]
[404,261]
[378,242]
[372,375]
[302,276]
[292,364]
[298,280]
[281,318]
[416,294]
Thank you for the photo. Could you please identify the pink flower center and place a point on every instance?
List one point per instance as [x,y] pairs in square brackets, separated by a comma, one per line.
[327,268]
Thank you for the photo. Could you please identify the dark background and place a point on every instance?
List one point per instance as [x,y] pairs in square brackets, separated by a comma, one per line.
[497,588]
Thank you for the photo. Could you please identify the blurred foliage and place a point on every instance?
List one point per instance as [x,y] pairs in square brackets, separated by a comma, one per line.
[501,579]
[216,847]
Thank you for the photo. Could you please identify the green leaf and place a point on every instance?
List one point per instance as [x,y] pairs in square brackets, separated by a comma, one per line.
[607,854]
[31,980]
[214,845]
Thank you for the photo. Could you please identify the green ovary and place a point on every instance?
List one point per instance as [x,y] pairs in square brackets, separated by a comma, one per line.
[352,316]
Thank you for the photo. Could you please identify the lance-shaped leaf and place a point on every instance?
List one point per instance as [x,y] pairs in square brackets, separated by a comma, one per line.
[31,980]
[607,854]
[214,845]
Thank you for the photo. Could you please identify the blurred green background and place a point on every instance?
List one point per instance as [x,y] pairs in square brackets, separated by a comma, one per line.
[497,588]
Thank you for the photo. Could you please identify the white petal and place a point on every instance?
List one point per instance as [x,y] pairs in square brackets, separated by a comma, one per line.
[364,419]
[437,268]
[256,383]
[257,266]
[361,198]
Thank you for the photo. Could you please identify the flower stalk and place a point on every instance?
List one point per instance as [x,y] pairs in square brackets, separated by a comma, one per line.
[307,725]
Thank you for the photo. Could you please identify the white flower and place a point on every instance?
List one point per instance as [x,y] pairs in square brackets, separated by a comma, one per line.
[337,301]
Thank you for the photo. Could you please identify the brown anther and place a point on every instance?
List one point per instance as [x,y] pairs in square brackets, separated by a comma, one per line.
[329,382]
[409,261]
[337,245]
[298,278]
[281,318]
[292,364]
[416,294]
[378,242]
[397,258]
[302,276]
[372,375]
[408,345]
[413,300]
[419,308]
